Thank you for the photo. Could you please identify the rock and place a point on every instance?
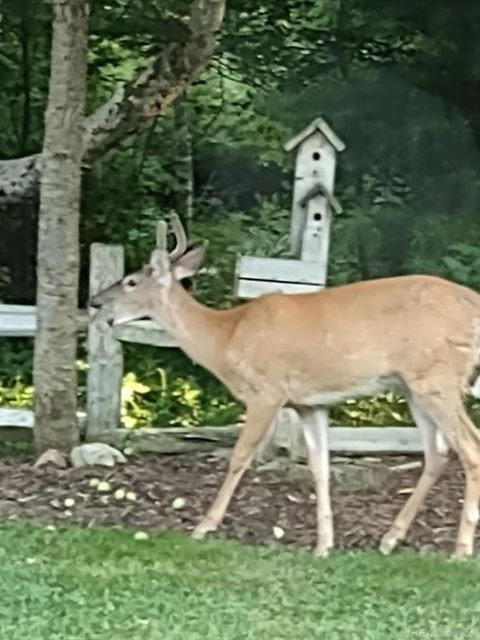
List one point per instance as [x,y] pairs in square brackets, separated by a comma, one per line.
[179,503]
[351,477]
[360,476]
[278,533]
[52,456]
[104,486]
[96,453]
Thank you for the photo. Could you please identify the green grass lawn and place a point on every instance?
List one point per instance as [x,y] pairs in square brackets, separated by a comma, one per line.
[85,584]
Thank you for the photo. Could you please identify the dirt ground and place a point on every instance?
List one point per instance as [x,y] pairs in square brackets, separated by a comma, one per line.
[267,497]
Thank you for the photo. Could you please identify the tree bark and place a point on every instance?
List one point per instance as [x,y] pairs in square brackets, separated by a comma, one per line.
[55,378]
[155,88]
[184,163]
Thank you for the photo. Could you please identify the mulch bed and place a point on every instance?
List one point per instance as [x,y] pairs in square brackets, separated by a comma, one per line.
[265,499]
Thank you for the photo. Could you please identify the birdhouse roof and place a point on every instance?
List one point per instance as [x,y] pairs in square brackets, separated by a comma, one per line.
[320,125]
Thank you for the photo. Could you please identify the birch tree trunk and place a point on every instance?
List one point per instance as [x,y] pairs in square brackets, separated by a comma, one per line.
[55,378]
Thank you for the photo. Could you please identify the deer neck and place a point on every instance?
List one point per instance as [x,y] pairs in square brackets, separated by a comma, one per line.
[199,330]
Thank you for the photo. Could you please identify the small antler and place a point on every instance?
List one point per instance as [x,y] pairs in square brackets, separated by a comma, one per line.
[161,234]
[180,236]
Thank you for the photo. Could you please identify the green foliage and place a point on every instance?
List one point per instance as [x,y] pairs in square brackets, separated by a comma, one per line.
[386,409]
[262,231]
[462,264]
[17,395]
[174,395]
[16,360]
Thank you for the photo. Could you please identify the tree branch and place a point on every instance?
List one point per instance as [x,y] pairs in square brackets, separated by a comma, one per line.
[164,79]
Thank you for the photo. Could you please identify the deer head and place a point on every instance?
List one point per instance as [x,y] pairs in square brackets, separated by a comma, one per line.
[138,293]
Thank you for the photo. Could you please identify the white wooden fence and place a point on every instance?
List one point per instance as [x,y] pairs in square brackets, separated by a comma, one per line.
[105,371]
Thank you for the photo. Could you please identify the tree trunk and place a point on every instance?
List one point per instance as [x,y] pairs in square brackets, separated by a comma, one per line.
[55,378]
[184,162]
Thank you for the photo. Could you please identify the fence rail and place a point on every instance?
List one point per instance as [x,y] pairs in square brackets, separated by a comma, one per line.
[172,440]
[20,321]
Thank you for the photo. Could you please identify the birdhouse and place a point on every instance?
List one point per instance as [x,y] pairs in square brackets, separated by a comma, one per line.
[312,208]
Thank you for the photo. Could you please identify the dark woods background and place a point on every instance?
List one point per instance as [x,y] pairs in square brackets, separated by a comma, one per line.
[399,83]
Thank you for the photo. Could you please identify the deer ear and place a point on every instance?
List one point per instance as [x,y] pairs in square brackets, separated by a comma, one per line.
[189,263]
[160,264]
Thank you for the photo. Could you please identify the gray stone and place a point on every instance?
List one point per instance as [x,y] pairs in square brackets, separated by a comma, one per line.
[52,456]
[96,453]
[360,476]
[352,476]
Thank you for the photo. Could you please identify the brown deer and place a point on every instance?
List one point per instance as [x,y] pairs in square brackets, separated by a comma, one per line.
[417,334]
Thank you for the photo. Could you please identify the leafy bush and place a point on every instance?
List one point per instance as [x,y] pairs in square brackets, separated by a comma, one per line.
[16,394]
[387,409]
[462,264]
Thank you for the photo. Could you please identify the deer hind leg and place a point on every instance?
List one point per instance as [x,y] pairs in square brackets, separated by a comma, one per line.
[315,429]
[445,408]
[436,459]
[258,420]
[464,438]
[449,413]
[467,444]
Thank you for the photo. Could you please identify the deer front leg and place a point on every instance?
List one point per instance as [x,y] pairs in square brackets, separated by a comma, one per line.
[315,429]
[258,419]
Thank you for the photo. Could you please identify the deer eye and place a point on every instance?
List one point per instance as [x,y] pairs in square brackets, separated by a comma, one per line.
[130,283]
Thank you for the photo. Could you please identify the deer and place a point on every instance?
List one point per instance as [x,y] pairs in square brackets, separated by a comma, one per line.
[416,334]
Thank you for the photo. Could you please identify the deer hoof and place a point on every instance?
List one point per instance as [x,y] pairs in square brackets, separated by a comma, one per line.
[462,552]
[201,530]
[198,534]
[388,543]
[322,551]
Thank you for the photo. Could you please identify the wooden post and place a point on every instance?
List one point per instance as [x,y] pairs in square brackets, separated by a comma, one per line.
[105,358]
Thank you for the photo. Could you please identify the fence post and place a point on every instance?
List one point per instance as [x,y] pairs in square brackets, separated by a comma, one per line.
[105,357]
